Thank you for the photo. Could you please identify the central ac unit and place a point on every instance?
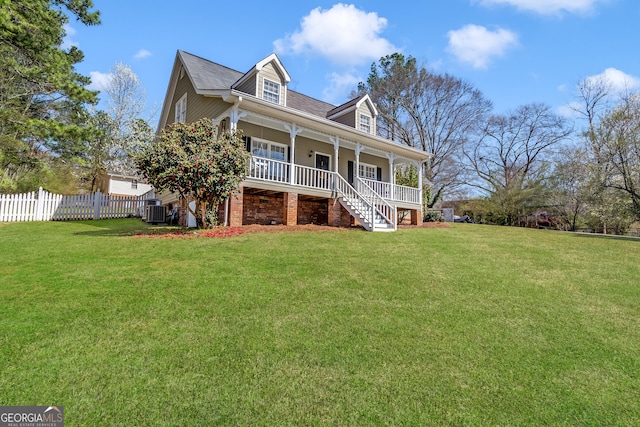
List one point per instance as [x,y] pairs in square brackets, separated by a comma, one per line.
[155,214]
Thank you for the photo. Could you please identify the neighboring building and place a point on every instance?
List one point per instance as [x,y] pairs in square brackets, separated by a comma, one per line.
[122,185]
[312,162]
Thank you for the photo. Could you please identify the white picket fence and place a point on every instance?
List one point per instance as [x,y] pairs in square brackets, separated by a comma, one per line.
[45,206]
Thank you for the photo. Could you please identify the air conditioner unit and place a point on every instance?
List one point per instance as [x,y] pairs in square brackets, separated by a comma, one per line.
[155,214]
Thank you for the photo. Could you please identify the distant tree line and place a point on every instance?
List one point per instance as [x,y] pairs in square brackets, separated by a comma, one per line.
[505,168]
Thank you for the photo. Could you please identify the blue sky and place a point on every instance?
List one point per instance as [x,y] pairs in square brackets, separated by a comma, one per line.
[514,51]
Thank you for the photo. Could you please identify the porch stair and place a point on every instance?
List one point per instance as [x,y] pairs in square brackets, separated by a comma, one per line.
[371,211]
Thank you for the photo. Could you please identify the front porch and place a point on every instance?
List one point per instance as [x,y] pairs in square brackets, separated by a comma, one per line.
[279,192]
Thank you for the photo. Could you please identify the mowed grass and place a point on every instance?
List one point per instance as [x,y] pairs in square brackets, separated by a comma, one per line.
[467,325]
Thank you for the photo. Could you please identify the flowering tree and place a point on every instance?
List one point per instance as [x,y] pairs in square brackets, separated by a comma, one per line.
[190,159]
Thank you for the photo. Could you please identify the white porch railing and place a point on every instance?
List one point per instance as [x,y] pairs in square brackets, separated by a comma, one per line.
[278,171]
[313,178]
[384,209]
[268,170]
[398,193]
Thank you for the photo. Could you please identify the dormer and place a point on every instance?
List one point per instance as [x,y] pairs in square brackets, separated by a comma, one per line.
[267,80]
[359,113]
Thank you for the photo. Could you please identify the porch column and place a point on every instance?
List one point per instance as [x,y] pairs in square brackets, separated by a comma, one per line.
[359,149]
[416,216]
[236,208]
[392,174]
[235,115]
[294,130]
[214,124]
[290,209]
[420,178]
[336,147]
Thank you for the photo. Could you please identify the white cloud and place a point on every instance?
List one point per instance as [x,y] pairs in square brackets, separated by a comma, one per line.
[570,110]
[99,81]
[142,53]
[340,87]
[343,34]
[477,46]
[67,40]
[618,80]
[547,7]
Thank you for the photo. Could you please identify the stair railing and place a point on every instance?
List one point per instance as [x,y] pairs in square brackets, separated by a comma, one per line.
[350,193]
[384,209]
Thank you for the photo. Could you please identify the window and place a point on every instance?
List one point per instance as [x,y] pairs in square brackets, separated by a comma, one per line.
[181,109]
[367,171]
[271,91]
[365,123]
[268,149]
[134,184]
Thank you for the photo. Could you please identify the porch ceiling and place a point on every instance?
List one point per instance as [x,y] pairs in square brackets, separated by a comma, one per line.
[260,119]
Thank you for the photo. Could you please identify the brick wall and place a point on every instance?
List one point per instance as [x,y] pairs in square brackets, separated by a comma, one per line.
[262,209]
[313,212]
[235,208]
[337,215]
[290,208]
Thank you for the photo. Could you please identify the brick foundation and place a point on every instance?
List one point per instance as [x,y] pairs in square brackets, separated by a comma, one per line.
[290,208]
[416,217]
[262,209]
[236,208]
[337,215]
[313,212]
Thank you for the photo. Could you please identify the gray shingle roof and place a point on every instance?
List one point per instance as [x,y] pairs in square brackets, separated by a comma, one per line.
[208,75]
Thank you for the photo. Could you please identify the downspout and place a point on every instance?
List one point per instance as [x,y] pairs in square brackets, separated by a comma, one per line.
[226,212]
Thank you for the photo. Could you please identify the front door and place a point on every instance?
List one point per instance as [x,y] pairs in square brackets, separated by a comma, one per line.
[323,162]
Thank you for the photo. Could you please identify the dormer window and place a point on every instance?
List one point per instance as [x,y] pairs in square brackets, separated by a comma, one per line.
[365,123]
[271,91]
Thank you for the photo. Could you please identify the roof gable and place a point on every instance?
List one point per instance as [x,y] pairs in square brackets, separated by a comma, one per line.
[353,105]
[273,58]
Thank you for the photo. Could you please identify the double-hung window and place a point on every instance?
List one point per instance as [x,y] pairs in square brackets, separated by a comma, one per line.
[265,152]
[268,149]
[181,109]
[367,171]
[365,123]
[271,91]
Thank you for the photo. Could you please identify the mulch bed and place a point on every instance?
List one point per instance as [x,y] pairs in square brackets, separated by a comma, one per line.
[225,232]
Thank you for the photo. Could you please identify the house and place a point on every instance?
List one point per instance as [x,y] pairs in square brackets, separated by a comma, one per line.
[119,184]
[312,162]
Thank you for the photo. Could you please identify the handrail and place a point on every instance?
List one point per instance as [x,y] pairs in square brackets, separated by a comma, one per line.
[347,190]
[305,176]
[384,209]
[388,191]
[268,169]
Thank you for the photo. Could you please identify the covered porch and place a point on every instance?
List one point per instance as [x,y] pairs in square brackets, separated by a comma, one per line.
[349,167]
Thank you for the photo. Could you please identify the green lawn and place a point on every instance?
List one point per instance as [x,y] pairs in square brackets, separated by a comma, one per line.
[470,325]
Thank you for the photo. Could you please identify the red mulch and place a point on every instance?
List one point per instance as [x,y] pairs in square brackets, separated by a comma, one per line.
[224,232]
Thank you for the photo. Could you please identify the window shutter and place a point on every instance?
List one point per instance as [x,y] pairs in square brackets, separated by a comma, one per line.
[350,172]
[289,154]
[247,141]
[379,174]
